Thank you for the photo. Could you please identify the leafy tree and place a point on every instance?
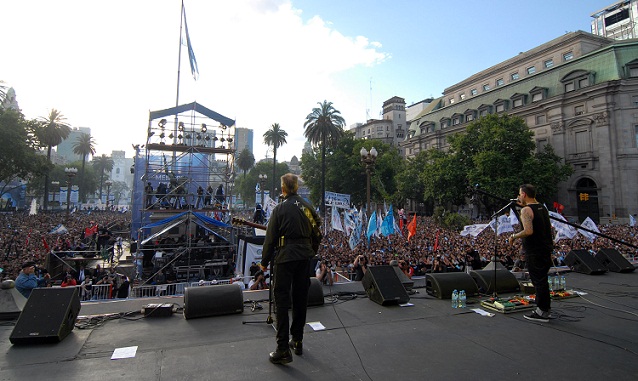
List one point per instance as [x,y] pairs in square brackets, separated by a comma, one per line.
[84,146]
[117,189]
[497,152]
[51,133]
[444,177]
[103,164]
[410,184]
[324,128]
[19,147]
[245,160]
[275,137]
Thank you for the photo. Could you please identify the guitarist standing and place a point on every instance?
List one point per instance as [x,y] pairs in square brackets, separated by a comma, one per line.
[292,239]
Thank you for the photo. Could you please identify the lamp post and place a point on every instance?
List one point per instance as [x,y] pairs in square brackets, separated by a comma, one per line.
[70,172]
[55,184]
[368,159]
[262,182]
[108,192]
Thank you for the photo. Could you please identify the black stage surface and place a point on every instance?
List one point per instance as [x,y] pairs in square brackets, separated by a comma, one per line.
[592,337]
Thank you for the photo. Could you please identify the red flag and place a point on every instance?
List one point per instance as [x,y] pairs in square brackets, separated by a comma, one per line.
[46,245]
[412,227]
[558,207]
[436,241]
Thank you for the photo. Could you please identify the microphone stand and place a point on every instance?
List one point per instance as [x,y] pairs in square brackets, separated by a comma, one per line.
[495,217]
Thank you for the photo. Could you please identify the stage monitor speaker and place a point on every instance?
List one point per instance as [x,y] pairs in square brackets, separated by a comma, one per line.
[48,316]
[441,285]
[215,300]
[490,266]
[315,293]
[383,286]
[407,283]
[581,261]
[487,283]
[614,261]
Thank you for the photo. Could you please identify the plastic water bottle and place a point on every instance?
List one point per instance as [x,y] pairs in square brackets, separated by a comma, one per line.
[556,283]
[550,281]
[563,283]
[455,299]
[462,299]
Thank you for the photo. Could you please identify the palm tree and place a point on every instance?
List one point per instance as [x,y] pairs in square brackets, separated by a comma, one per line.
[246,160]
[102,164]
[52,131]
[84,146]
[275,137]
[324,126]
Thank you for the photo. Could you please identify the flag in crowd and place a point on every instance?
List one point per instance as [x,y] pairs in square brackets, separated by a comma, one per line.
[412,227]
[60,229]
[632,220]
[558,207]
[474,230]
[501,225]
[563,231]
[336,220]
[591,225]
[372,225]
[436,241]
[387,226]
[513,218]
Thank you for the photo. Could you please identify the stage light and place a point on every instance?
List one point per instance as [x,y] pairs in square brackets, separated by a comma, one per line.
[162,123]
[170,136]
[204,129]
[180,126]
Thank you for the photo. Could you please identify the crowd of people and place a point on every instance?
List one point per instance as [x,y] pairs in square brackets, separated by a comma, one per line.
[436,249]
[28,238]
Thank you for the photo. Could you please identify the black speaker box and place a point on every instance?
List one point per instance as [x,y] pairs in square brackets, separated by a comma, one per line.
[48,316]
[315,293]
[582,262]
[614,261]
[487,282]
[215,300]
[383,286]
[441,285]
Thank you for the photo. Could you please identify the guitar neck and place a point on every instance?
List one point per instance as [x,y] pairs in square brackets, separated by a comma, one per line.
[239,221]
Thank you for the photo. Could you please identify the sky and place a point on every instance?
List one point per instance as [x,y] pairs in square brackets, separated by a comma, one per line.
[105,65]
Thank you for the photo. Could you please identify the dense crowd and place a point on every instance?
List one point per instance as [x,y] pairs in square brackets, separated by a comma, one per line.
[433,244]
[26,238]
[29,238]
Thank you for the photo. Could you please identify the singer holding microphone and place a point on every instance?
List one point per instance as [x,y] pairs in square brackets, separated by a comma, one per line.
[537,248]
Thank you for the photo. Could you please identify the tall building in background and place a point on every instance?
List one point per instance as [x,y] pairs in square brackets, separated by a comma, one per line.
[121,177]
[617,21]
[243,139]
[391,129]
[65,148]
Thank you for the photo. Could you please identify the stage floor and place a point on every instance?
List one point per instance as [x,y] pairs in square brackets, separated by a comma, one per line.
[592,337]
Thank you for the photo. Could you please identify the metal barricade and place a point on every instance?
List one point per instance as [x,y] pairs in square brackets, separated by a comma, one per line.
[101,291]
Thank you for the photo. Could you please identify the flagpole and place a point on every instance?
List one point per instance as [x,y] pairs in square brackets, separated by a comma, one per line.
[179,68]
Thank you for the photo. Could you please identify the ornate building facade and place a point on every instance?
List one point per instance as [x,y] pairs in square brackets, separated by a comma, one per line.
[579,93]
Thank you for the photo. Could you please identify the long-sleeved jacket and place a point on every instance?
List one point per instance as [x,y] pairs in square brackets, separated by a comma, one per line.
[290,235]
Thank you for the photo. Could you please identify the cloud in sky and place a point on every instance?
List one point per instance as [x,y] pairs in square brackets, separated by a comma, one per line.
[105,65]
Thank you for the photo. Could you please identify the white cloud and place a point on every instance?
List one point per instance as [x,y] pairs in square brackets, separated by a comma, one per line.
[106,66]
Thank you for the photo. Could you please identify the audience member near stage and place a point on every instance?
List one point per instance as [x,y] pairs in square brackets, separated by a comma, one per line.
[69,281]
[258,282]
[360,267]
[27,281]
[87,288]
[407,269]
[253,269]
[324,273]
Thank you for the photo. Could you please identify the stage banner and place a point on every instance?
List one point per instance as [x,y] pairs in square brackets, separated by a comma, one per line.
[338,200]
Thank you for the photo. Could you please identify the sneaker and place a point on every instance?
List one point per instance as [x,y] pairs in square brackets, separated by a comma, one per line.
[296,346]
[281,357]
[537,318]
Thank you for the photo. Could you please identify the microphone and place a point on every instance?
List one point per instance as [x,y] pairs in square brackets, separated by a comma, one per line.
[514,200]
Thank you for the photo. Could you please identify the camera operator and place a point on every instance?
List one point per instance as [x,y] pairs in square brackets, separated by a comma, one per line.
[258,282]
[27,280]
[360,267]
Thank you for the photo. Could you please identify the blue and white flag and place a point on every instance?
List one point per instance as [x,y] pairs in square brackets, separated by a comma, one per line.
[504,225]
[372,225]
[336,220]
[473,230]
[632,220]
[191,53]
[591,225]
[563,231]
[348,222]
[387,226]
[60,229]
[513,218]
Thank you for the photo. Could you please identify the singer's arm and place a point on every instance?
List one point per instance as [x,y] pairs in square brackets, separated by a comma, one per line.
[527,215]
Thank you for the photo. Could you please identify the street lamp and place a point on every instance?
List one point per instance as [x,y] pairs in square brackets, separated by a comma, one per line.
[55,185]
[368,159]
[262,182]
[108,192]
[70,172]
